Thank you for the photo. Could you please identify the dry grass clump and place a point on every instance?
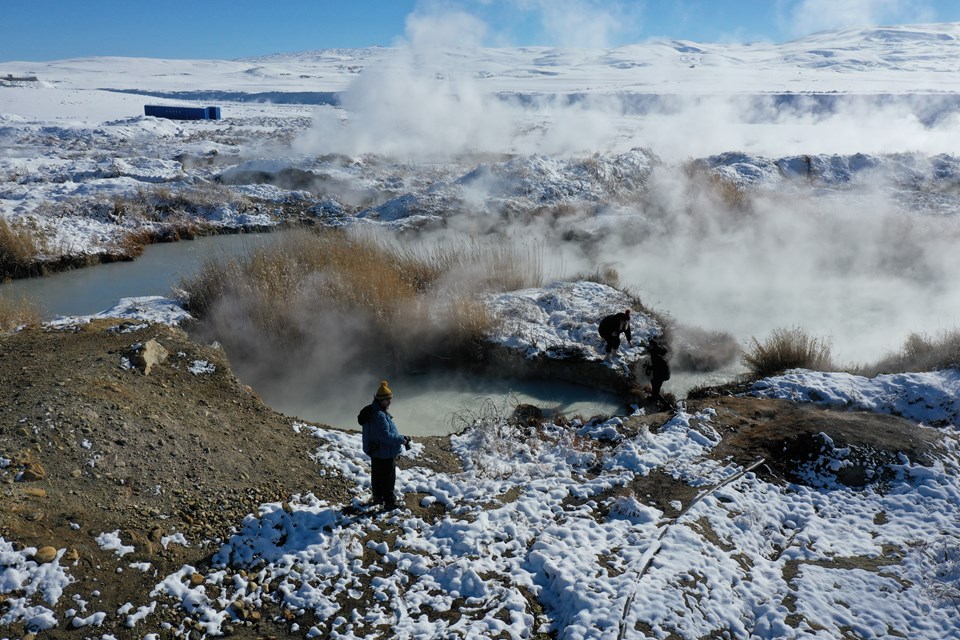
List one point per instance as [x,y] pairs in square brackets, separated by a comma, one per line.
[132,243]
[921,352]
[704,181]
[20,248]
[604,274]
[161,202]
[473,265]
[401,302]
[17,313]
[787,349]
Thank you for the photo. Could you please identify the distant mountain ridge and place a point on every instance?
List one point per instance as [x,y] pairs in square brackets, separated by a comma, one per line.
[887,59]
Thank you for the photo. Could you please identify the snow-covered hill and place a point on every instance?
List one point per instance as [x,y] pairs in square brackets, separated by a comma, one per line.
[905,59]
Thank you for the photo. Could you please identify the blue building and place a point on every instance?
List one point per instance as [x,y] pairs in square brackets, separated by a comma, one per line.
[182,113]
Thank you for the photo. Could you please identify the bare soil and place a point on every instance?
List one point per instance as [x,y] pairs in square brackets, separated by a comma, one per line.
[105,448]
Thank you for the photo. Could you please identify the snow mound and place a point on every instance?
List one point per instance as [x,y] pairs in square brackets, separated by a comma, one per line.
[557,180]
[906,170]
[931,398]
[154,309]
[560,320]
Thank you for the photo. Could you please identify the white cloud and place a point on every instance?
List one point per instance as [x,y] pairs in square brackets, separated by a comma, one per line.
[588,24]
[429,29]
[808,16]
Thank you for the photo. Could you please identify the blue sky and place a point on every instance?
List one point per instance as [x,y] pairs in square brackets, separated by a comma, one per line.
[56,29]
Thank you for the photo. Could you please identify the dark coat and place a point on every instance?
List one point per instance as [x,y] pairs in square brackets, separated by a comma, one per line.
[614,325]
[659,368]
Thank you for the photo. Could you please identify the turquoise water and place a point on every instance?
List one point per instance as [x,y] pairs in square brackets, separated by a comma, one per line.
[155,273]
[438,404]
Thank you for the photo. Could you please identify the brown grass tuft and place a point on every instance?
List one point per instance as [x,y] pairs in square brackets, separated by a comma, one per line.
[17,313]
[921,352]
[713,185]
[604,274]
[787,349]
[20,248]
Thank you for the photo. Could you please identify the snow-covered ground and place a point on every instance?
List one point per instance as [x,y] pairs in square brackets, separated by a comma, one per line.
[745,556]
[635,158]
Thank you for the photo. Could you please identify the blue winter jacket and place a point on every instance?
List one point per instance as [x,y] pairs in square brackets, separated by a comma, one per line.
[380,436]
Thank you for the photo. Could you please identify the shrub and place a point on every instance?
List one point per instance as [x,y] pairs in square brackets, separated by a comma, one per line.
[921,352]
[787,349]
[132,243]
[20,249]
[604,274]
[704,181]
[15,314]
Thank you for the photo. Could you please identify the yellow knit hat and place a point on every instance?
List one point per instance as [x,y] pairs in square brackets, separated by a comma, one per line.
[383,391]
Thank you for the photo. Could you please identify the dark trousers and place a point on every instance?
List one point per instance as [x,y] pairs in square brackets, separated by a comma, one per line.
[383,476]
[613,342]
[655,385]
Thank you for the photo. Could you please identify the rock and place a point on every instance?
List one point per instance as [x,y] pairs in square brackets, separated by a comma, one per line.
[196,579]
[71,555]
[150,354]
[45,555]
[31,469]
[239,610]
[34,492]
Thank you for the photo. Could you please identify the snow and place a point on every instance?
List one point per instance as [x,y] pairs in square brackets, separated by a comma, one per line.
[554,541]
[545,515]
[148,309]
[110,541]
[931,398]
[200,367]
[22,578]
[558,320]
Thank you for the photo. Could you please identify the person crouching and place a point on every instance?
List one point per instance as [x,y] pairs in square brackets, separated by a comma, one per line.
[383,443]
[610,329]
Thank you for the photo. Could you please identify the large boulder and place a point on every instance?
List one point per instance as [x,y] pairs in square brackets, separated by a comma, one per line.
[148,355]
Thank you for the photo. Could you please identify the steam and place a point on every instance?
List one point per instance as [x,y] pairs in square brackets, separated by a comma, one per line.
[430,101]
[852,266]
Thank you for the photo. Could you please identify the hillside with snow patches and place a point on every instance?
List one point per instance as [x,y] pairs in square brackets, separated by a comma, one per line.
[741,187]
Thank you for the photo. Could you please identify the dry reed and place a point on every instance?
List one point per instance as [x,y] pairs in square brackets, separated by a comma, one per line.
[17,313]
[788,349]
[412,297]
[921,352]
[20,248]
